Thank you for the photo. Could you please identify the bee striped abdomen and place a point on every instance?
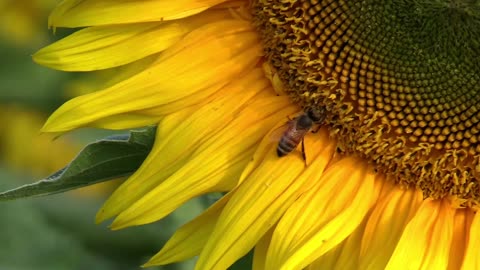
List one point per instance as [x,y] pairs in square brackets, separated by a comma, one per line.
[297,129]
[287,143]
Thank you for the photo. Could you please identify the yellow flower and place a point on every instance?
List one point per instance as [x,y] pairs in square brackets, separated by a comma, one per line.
[24,149]
[389,180]
[19,22]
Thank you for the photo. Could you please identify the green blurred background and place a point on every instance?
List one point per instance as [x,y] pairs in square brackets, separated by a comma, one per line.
[57,232]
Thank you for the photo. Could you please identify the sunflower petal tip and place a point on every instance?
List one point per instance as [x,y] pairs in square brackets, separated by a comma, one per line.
[35,58]
[44,58]
[114,227]
[118,225]
[158,259]
[53,26]
[61,121]
[45,128]
[100,217]
[52,127]
[150,263]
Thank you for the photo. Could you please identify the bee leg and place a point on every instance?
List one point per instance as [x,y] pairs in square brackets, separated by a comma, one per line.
[290,118]
[316,130]
[304,156]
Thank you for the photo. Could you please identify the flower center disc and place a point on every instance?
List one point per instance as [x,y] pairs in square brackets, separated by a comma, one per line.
[400,81]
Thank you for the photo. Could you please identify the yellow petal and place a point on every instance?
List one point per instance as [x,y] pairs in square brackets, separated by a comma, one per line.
[79,13]
[189,239]
[101,79]
[385,225]
[210,168]
[260,251]
[153,116]
[324,216]
[261,200]
[425,242]
[103,47]
[461,230]
[346,257]
[178,74]
[182,133]
[329,260]
[472,259]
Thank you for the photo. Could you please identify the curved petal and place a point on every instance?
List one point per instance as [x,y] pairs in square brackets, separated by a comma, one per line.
[261,200]
[324,216]
[80,13]
[189,239]
[177,74]
[103,47]
[343,256]
[386,223]
[181,134]
[472,260]
[461,231]
[260,251]
[425,242]
[329,260]
[210,168]
[350,254]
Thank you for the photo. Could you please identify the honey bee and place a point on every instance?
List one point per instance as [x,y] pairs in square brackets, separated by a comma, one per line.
[297,128]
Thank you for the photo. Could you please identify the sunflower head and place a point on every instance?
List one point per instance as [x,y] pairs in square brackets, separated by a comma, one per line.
[399,79]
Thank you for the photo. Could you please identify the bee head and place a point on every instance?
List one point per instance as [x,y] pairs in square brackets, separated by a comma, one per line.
[316,114]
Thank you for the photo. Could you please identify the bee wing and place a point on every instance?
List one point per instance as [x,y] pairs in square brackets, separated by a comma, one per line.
[277,133]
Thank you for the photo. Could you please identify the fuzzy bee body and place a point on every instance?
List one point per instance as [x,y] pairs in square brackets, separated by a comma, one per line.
[297,129]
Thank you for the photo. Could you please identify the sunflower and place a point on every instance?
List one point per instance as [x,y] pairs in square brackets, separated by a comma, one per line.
[389,181]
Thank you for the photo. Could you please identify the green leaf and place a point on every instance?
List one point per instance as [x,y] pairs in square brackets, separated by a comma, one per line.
[113,157]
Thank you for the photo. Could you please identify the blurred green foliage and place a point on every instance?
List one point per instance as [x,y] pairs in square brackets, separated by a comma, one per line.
[58,232]
[23,82]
